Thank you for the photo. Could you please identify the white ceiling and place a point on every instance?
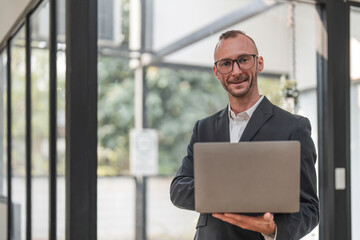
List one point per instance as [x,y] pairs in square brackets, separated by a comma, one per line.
[10,10]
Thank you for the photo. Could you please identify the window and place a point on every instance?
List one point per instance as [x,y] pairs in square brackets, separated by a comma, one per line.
[18,129]
[355,119]
[3,123]
[39,22]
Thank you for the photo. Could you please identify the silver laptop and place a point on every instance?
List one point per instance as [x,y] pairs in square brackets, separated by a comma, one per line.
[247,177]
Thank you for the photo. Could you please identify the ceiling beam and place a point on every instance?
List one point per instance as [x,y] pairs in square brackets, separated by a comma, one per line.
[248,11]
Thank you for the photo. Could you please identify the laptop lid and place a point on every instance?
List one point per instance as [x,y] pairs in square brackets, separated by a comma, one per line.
[247,177]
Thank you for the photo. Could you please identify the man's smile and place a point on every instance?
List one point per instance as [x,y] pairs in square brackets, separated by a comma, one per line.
[238,81]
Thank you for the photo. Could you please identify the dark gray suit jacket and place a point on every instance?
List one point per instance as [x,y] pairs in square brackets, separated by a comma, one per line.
[268,123]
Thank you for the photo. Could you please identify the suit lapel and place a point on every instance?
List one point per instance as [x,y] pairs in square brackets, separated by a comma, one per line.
[262,113]
[222,126]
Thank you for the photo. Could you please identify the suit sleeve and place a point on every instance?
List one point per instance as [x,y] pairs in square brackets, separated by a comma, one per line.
[182,186]
[297,225]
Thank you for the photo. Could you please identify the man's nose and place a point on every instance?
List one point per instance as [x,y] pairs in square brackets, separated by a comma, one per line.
[236,68]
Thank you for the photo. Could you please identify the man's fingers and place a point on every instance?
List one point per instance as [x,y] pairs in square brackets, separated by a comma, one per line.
[264,223]
[243,220]
[268,216]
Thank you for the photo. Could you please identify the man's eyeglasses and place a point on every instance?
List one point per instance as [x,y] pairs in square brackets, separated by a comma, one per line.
[244,62]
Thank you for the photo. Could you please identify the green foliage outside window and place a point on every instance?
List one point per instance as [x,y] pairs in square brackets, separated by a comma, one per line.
[115,115]
[174,101]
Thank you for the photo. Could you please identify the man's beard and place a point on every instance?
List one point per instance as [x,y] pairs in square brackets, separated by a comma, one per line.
[241,79]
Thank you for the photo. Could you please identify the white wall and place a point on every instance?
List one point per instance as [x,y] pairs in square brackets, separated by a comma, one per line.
[10,10]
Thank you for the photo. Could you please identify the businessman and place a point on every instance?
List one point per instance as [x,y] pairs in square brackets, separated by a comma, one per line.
[248,117]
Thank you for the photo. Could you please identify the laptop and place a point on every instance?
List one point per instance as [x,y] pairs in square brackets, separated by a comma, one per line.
[247,177]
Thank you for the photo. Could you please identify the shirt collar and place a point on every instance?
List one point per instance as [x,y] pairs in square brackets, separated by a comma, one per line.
[249,112]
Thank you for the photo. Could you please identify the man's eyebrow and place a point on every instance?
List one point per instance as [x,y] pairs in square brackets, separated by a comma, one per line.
[236,57]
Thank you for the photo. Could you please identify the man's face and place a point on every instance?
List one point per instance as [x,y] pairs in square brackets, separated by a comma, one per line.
[238,83]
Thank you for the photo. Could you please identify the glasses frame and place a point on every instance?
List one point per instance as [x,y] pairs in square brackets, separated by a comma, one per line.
[233,61]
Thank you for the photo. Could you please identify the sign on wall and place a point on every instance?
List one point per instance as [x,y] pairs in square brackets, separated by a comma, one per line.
[144,152]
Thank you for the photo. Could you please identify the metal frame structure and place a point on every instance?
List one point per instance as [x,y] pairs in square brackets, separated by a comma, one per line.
[81,119]
[81,109]
[9,139]
[28,124]
[334,120]
[88,114]
[53,117]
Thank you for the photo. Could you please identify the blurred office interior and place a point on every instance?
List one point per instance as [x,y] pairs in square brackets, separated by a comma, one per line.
[77,78]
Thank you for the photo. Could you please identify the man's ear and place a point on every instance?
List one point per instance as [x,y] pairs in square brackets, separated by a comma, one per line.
[260,64]
[216,73]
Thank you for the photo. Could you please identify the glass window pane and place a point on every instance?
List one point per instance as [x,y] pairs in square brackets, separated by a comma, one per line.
[172,110]
[3,123]
[116,208]
[115,114]
[18,127]
[116,194]
[164,221]
[60,144]
[113,24]
[39,24]
[355,119]
[115,119]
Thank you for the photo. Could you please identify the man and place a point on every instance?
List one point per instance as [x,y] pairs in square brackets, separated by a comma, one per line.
[248,117]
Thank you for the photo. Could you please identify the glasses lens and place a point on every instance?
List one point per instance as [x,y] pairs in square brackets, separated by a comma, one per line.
[224,66]
[246,61]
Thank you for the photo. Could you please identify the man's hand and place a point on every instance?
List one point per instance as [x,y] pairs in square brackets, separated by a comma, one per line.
[264,224]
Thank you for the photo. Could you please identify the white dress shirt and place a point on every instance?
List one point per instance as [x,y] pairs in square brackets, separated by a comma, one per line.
[237,124]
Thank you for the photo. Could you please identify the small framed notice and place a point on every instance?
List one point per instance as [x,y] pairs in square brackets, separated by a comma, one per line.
[143,152]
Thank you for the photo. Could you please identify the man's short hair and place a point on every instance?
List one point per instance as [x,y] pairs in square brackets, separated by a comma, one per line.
[232,34]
